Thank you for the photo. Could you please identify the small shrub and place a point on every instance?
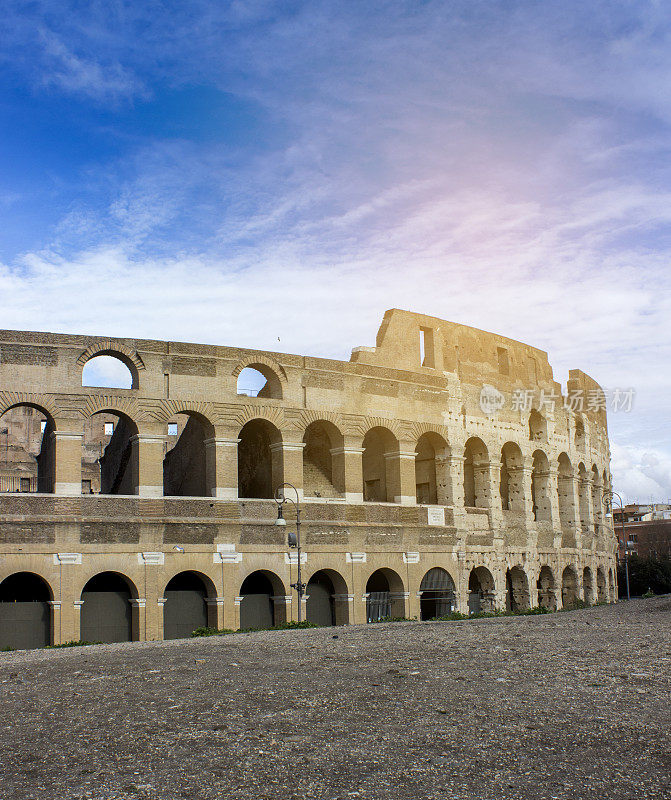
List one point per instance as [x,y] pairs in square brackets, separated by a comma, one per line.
[283,626]
[649,593]
[6,649]
[73,643]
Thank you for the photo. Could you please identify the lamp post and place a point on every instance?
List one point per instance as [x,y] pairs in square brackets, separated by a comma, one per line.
[293,539]
[608,503]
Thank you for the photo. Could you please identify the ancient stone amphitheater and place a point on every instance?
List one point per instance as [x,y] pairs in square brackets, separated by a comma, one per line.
[440,470]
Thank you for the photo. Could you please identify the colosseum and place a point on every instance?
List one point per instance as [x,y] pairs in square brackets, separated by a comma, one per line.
[440,470]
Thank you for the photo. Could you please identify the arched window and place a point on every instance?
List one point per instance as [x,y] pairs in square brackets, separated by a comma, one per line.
[480,590]
[569,588]
[517,589]
[27,452]
[476,479]
[260,470]
[110,371]
[437,593]
[430,446]
[546,586]
[323,475]
[381,476]
[186,471]
[111,434]
[384,600]
[259,380]
[538,427]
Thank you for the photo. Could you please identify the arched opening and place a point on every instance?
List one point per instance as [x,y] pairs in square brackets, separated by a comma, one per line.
[597,498]
[565,496]
[257,605]
[186,471]
[381,474]
[481,595]
[323,606]
[611,586]
[437,594]
[569,588]
[579,438]
[323,474]
[546,589]
[106,613]
[517,589]
[512,475]
[540,487]
[110,371]
[25,618]
[185,606]
[476,474]
[258,380]
[584,496]
[27,452]
[601,586]
[587,586]
[119,463]
[384,595]
[260,466]
[538,427]
[430,447]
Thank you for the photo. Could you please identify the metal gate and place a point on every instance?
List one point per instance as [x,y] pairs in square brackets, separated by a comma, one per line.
[24,625]
[183,612]
[106,617]
[256,611]
[319,605]
[378,606]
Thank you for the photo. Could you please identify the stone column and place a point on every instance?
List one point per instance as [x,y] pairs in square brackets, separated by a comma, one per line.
[148,464]
[287,461]
[551,478]
[568,497]
[343,608]
[55,619]
[519,491]
[586,509]
[461,587]
[348,471]
[283,609]
[215,612]
[139,622]
[76,622]
[67,465]
[400,475]
[161,601]
[221,460]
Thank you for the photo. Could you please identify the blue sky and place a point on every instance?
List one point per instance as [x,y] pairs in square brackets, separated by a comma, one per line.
[239,172]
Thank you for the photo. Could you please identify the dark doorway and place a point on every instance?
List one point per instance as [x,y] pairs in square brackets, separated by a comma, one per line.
[256,607]
[437,594]
[378,600]
[185,608]
[106,611]
[320,606]
[24,612]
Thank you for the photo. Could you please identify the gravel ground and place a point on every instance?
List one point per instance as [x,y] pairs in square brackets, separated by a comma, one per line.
[570,705]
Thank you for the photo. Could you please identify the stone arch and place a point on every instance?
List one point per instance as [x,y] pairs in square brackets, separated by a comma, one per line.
[25,614]
[107,613]
[511,487]
[187,470]
[129,357]
[546,588]
[476,479]
[260,462]
[538,427]
[481,590]
[437,593]
[597,495]
[323,469]
[381,473]
[431,450]
[34,451]
[587,586]
[566,499]
[517,589]
[272,371]
[385,595]
[569,587]
[186,608]
[540,487]
[327,598]
[119,463]
[262,603]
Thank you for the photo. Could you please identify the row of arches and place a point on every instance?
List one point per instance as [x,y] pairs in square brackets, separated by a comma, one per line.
[110,607]
[506,479]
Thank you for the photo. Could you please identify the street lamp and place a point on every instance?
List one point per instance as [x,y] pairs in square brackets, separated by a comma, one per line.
[608,503]
[293,539]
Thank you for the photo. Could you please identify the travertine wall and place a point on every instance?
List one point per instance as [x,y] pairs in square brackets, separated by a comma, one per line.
[404,422]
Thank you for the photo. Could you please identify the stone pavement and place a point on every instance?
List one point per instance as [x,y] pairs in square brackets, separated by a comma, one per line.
[569,705]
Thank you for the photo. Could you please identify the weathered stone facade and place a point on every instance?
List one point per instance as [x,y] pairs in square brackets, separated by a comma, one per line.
[414,499]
